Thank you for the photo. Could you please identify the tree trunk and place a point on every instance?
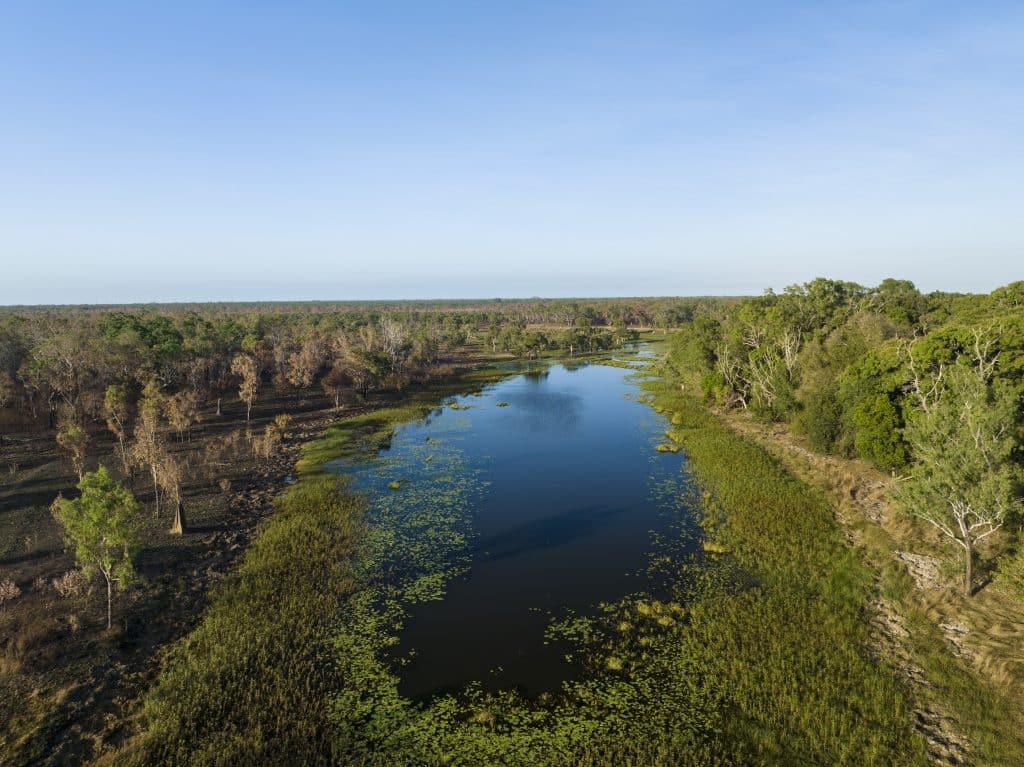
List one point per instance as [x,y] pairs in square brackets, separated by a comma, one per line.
[248,409]
[178,525]
[156,491]
[968,568]
[110,600]
[124,456]
[218,407]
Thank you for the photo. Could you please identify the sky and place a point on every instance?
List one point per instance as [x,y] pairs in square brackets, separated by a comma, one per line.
[155,151]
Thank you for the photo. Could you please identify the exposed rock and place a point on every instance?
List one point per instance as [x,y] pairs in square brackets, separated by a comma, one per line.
[924,569]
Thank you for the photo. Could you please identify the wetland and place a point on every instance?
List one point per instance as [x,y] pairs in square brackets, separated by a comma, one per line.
[551,499]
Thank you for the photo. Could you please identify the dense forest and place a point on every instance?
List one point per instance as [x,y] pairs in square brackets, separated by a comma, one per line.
[927,387]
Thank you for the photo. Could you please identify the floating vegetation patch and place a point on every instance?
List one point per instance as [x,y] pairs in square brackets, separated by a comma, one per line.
[711,547]
[419,539]
[751,657]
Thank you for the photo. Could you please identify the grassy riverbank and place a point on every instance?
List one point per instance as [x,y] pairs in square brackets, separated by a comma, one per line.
[759,658]
[966,683]
[790,652]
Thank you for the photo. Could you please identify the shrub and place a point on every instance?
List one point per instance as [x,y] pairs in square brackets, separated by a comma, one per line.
[9,591]
[72,584]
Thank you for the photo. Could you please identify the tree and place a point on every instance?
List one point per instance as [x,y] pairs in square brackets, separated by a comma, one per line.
[73,440]
[148,448]
[395,343]
[101,526]
[168,472]
[368,369]
[182,413]
[336,382]
[964,479]
[244,366]
[116,411]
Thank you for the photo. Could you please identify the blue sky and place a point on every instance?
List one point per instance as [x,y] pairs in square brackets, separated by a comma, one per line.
[213,150]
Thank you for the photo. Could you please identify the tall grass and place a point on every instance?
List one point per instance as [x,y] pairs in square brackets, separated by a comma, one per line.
[250,685]
[761,661]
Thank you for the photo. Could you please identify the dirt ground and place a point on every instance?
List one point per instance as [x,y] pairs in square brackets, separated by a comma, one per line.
[67,685]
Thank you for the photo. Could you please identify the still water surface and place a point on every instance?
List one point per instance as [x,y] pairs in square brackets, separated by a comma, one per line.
[571,504]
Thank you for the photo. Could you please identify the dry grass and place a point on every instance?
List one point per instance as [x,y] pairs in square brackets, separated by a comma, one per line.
[980,635]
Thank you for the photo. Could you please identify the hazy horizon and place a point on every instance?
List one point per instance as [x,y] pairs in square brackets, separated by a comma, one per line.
[384,299]
[320,152]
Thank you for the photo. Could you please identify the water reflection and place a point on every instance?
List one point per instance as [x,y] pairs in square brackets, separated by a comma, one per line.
[556,530]
[576,499]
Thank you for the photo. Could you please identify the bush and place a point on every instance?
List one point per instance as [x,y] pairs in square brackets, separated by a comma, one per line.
[878,439]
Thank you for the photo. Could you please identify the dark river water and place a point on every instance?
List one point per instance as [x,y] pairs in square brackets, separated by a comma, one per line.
[569,503]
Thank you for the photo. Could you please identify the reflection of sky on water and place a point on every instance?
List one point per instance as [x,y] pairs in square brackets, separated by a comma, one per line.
[574,500]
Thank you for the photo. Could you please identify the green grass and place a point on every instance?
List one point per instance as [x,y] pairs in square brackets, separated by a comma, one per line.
[251,684]
[758,659]
[362,436]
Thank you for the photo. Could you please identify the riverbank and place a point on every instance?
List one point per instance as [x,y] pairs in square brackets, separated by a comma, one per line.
[961,657]
[67,682]
[69,686]
[761,657]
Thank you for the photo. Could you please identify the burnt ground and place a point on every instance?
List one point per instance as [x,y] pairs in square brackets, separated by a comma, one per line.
[67,685]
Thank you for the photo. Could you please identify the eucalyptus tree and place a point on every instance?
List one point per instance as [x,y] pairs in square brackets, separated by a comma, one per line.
[117,411]
[964,480]
[101,526]
[147,447]
[245,367]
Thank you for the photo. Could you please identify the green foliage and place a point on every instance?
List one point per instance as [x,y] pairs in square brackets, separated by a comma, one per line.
[876,425]
[250,685]
[965,479]
[1010,575]
[295,646]
[101,526]
[822,418]
[868,392]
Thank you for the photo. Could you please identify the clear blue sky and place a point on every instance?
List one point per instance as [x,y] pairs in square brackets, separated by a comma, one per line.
[213,150]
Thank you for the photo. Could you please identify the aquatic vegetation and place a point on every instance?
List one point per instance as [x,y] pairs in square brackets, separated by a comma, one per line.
[209,706]
[755,657]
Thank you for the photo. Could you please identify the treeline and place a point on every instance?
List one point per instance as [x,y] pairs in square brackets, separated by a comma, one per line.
[638,312]
[143,377]
[58,363]
[926,386]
